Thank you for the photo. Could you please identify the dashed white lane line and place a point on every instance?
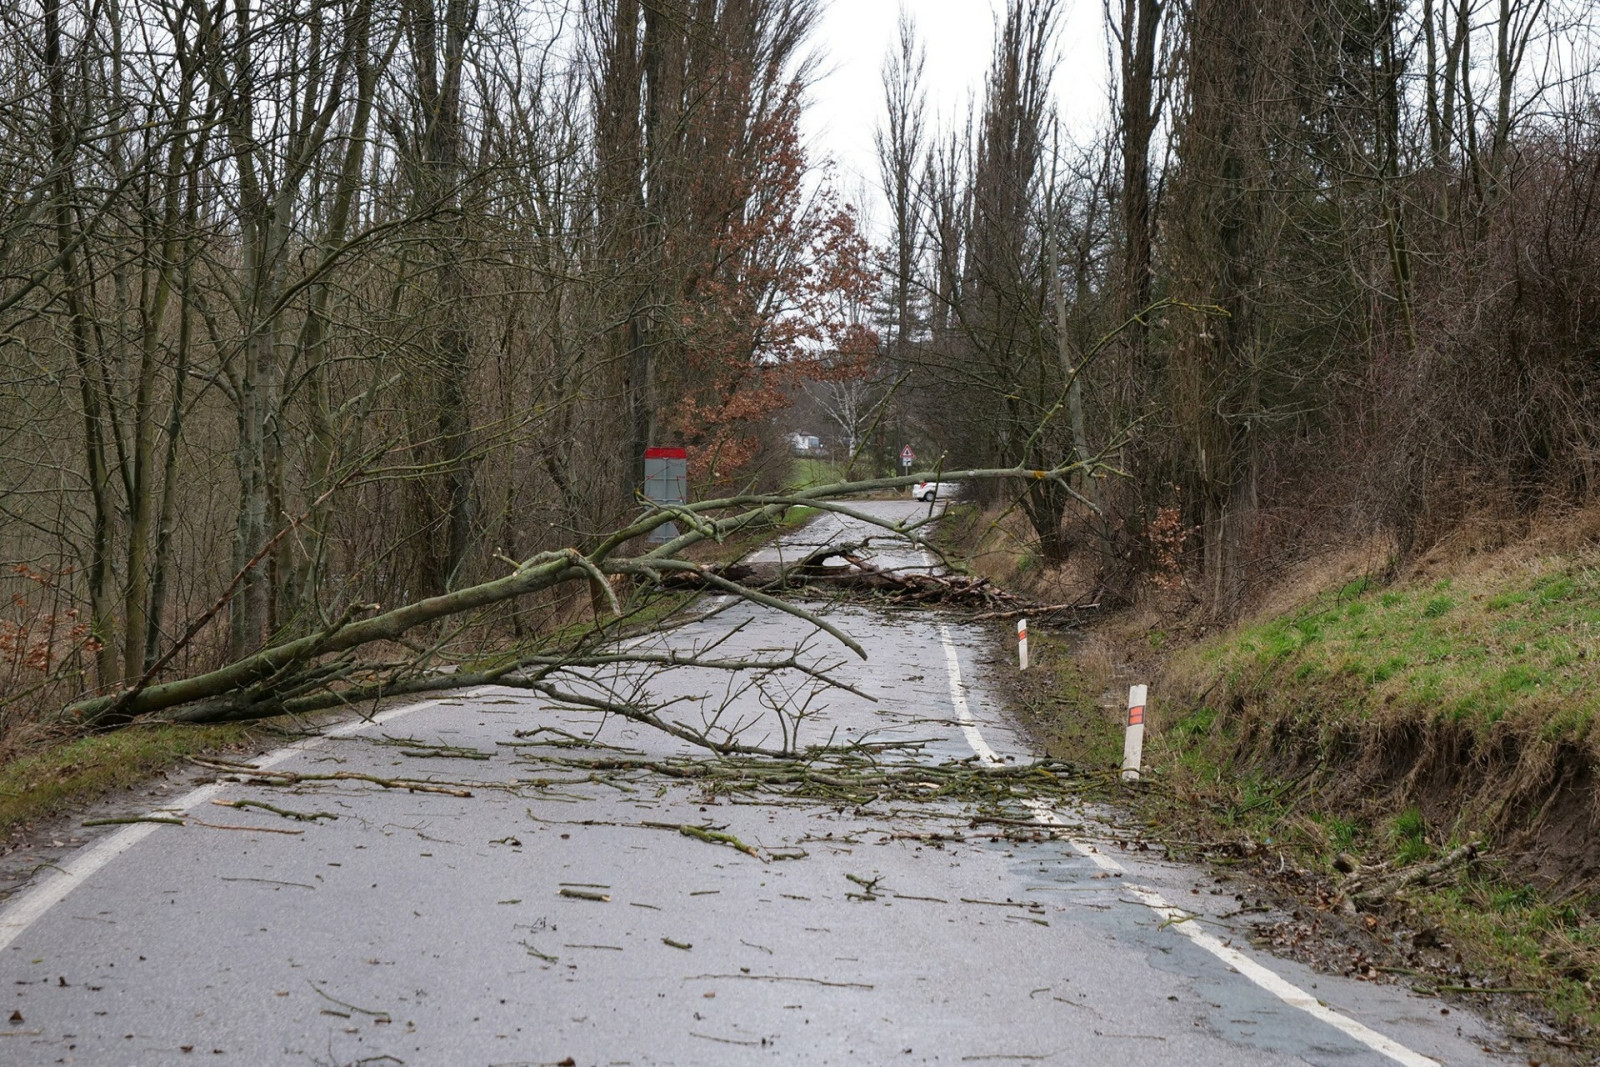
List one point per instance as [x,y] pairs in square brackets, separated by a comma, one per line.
[41,898]
[1174,918]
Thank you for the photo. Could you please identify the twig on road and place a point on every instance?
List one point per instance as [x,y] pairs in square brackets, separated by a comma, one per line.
[780,978]
[728,1040]
[246,829]
[706,834]
[1030,905]
[290,778]
[584,894]
[539,955]
[334,1000]
[298,816]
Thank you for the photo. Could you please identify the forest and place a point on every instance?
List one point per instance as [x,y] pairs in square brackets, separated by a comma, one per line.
[310,308]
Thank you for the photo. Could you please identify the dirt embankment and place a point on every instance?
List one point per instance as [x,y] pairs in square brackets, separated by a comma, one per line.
[1464,690]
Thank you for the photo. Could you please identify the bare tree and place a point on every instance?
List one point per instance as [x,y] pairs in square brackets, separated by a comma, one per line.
[900,140]
[1136,29]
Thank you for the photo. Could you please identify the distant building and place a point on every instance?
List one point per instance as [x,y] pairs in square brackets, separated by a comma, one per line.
[806,444]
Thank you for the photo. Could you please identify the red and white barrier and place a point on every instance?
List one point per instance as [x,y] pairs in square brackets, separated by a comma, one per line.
[1022,643]
[1133,739]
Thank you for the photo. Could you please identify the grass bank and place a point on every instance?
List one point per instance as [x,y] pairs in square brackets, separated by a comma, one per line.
[54,779]
[1472,698]
[1386,725]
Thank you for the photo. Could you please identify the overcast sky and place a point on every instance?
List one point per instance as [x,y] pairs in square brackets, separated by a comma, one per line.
[855,35]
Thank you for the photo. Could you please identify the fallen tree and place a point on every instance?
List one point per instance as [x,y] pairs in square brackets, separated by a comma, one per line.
[327,669]
[857,572]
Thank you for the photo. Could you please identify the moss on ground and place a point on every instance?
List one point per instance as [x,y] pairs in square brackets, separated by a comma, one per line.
[1061,703]
[60,777]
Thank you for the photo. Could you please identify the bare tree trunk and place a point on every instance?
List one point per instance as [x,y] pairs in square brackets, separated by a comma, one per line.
[900,143]
[1219,206]
[144,498]
[1514,28]
[102,614]
[1386,99]
[1138,36]
[439,53]
[160,567]
[323,449]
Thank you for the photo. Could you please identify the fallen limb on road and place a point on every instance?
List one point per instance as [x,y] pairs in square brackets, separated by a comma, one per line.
[325,668]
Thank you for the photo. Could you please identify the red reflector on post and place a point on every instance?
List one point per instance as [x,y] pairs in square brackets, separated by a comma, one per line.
[1136,716]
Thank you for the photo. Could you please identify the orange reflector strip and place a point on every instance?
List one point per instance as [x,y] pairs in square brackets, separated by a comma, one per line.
[1136,716]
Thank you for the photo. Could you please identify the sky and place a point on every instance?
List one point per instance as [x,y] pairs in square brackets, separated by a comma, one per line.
[856,35]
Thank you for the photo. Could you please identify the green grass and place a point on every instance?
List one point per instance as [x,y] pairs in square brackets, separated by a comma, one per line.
[1514,932]
[810,471]
[1523,648]
[45,783]
[1408,837]
[1510,648]
[1342,833]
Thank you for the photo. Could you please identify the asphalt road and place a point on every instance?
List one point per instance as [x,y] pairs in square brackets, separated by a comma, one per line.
[543,920]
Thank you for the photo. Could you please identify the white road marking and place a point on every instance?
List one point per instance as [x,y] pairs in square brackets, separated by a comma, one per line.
[958,698]
[1174,918]
[41,898]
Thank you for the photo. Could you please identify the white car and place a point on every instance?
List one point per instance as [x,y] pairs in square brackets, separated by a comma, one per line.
[926,491]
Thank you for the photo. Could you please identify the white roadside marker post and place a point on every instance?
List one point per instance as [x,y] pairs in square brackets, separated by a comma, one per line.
[1133,740]
[1022,643]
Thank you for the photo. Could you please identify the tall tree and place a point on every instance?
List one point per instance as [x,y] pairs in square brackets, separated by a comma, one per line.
[726,265]
[433,144]
[1136,29]
[900,140]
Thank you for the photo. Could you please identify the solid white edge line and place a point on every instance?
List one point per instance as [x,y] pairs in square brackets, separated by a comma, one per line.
[958,699]
[1174,918]
[31,906]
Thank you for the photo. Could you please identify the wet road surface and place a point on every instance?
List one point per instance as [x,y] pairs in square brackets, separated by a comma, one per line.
[558,914]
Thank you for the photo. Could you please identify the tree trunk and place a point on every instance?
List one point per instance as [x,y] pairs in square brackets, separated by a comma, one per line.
[1138,36]
[102,620]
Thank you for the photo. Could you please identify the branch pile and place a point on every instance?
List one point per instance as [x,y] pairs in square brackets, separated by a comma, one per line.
[889,586]
[1373,887]
[854,782]
[905,587]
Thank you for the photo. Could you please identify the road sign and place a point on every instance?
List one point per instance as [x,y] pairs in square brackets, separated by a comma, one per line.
[666,481]
[906,457]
